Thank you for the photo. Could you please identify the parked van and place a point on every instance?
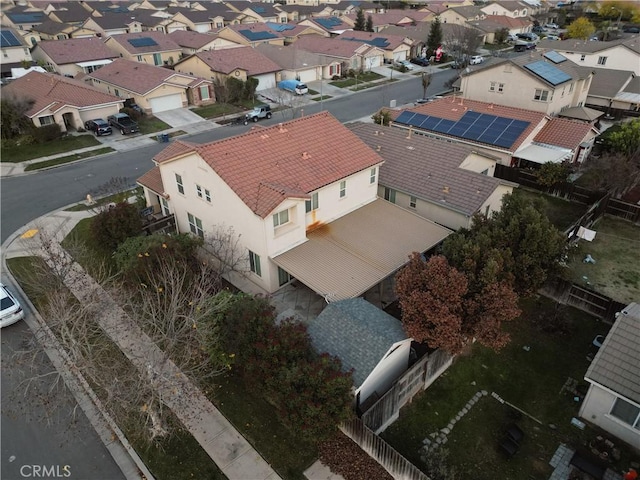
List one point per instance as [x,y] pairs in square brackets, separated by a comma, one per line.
[293,86]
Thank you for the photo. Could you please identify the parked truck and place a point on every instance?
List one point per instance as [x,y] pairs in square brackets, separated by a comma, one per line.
[293,86]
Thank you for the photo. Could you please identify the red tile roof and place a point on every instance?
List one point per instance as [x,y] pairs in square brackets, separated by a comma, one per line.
[226,60]
[152,180]
[53,92]
[191,39]
[267,165]
[162,40]
[453,108]
[329,46]
[74,50]
[138,77]
[564,133]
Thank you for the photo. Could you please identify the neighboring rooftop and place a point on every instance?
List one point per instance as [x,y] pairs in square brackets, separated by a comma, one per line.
[145,42]
[226,60]
[74,50]
[564,133]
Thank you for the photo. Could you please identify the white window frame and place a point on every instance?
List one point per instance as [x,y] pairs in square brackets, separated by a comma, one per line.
[541,95]
[47,120]
[413,202]
[199,191]
[500,87]
[373,174]
[390,194]
[602,61]
[571,87]
[157,57]
[311,204]
[343,188]
[179,183]
[582,57]
[280,218]
[635,423]
[139,58]
[205,95]
[492,86]
[254,263]
[195,225]
[165,207]
[207,195]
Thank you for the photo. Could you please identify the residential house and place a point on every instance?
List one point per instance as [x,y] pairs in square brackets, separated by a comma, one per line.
[111,24]
[154,89]
[419,33]
[192,42]
[154,48]
[23,19]
[461,15]
[251,34]
[74,55]
[441,181]
[613,400]
[395,47]
[331,26]
[239,63]
[547,82]
[102,7]
[493,23]
[352,54]
[251,12]
[72,13]
[369,342]
[158,20]
[341,8]
[197,21]
[297,208]
[15,51]
[53,30]
[61,100]
[299,64]
[508,8]
[297,12]
[388,18]
[614,91]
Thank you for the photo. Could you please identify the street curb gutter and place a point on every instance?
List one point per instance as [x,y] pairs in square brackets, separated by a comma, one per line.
[131,465]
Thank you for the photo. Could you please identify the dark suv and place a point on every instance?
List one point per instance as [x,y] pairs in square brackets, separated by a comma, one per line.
[98,126]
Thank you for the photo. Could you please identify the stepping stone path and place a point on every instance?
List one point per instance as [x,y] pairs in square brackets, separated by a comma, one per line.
[439,438]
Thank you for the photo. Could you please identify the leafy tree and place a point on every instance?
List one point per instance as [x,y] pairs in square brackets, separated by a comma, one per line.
[612,171]
[434,40]
[235,89]
[626,138]
[250,87]
[550,173]
[614,10]
[501,35]
[382,117]
[359,24]
[13,119]
[581,28]
[114,225]
[369,25]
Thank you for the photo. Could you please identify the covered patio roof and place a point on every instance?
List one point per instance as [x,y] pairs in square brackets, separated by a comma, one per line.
[345,258]
[540,153]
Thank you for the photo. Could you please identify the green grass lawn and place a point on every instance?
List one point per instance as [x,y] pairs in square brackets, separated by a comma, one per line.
[217,110]
[67,159]
[150,124]
[561,212]
[64,144]
[616,272]
[362,78]
[530,379]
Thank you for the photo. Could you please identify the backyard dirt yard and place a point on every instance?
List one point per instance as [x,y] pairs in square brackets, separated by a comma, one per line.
[616,251]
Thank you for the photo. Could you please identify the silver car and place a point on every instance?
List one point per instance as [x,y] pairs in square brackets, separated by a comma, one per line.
[10,309]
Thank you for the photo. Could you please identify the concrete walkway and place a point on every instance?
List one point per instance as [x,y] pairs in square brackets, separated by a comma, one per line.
[225,445]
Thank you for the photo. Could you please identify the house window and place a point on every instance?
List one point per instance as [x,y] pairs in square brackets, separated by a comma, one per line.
[195,225]
[207,195]
[311,204]
[541,95]
[204,93]
[139,58]
[343,188]
[492,86]
[571,88]
[179,184]
[602,60]
[582,57]
[254,263]
[390,194]
[203,193]
[48,120]
[157,59]
[281,218]
[500,87]
[283,277]
[219,25]
[626,412]
[412,202]
[116,92]
[372,175]
[26,50]
[165,207]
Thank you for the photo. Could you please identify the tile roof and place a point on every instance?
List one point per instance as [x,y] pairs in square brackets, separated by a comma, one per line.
[422,166]
[328,46]
[226,60]
[453,108]
[152,180]
[290,57]
[196,16]
[71,12]
[565,133]
[162,40]
[190,39]
[302,9]
[616,366]
[607,83]
[356,332]
[254,32]
[468,11]
[50,27]
[581,46]
[137,77]
[74,50]
[54,92]
[383,40]
[392,17]
[421,30]
[493,22]
[267,165]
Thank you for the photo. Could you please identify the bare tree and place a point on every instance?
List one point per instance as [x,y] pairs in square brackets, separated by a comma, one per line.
[223,244]
[291,102]
[461,42]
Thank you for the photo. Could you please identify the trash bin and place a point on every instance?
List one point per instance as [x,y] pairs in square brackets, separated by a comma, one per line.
[165,137]
[159,138]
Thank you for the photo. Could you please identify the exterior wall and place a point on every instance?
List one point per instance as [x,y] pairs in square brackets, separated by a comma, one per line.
[452,17]
[494,202]
[617,58]
[196,67]
[169,56]
[595,409]
[99,112]
[15,55]
[387,371]
[497,9]
[83,33]
[479,164]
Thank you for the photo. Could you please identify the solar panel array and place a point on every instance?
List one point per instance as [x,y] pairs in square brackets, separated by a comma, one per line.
[328,22]
[376,42]
[142,42]
[480,127]
[8,39]
[254,36]
[548,72]
[555,57]
[280,27]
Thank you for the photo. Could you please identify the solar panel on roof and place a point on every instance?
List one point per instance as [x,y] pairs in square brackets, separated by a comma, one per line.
[548,72]
[444,126]
[489,136]
[458,129]
[474,132]
[8,39]
[555,57]
[258,9]
[328,22]
[142,42]
[404,117]
[253,36]
[430,122]
[280,27]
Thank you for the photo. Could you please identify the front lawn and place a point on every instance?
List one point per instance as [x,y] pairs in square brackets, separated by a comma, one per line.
[37,150]
[151,124]
[217,110]
[562,213]
[362,78]
[67,159]
[530,374]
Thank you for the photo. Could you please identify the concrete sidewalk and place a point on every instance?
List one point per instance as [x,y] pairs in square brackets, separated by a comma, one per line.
[225,445]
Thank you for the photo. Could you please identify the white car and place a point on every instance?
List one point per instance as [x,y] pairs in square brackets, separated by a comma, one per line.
[551,26]
[406,64]
[10,309]
[552,37]
[476,60]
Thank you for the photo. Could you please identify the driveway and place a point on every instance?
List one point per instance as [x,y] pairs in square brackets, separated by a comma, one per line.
[179,117]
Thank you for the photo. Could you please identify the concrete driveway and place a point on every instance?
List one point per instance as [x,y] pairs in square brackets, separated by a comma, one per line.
[179,117]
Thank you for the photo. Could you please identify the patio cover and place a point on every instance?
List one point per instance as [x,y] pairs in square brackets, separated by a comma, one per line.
[581,113]
[93,63]
[540,153]
[345,258]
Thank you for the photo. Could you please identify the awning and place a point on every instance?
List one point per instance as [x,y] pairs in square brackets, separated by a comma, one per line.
[542,153]
[93,63]
[345,258]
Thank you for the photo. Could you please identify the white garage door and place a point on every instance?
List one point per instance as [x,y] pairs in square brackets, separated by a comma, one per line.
[268,80]
[309,75]
[168,102]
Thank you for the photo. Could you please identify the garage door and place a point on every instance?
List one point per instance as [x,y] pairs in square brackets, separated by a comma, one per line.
[308,75]
[268,80]
[168,102]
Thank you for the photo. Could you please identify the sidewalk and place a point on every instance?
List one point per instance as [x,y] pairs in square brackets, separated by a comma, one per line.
[225,445]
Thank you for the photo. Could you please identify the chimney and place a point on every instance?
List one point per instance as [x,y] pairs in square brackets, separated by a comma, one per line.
[306,156]
[410,132]
[378,148]
[445,189]
[376,133]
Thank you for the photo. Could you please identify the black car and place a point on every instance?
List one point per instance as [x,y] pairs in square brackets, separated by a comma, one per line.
[98,126]
[422,61]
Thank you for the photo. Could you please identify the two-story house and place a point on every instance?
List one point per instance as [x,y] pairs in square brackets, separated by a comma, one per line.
[192,42]
[155,48]
[251,34]
[509,8]
[462,15]
[547,82]
[74,55]
[297,205]
[15,51]
[109,24]
[395,47]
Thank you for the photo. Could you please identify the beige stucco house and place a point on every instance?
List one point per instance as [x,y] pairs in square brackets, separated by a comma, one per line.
[154,48]
[73,56]
[15,50]
[395,47]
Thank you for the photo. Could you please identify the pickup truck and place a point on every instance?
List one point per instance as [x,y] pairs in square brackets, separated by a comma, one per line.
[122,122]
[293,86]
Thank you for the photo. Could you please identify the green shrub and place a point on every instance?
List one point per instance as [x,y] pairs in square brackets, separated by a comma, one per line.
[48,133]
[113,226]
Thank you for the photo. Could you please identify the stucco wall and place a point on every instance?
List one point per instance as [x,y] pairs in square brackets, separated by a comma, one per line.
[15,55]
[618,58]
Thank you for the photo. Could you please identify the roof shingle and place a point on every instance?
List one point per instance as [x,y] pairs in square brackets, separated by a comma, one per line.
[226,60]
[74,50]
[564,133]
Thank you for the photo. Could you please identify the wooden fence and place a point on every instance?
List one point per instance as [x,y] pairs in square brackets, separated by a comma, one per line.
[398,467]
[422,374]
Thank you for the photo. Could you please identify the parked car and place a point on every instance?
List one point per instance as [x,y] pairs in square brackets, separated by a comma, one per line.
[122,122]
[404,63]
[260,111]
[10,309]
[551,26]
[512,37]
[631,29]
[293,86]
[538,29]
[552,37]
[458,64]
[523,46]
[528,37]
[476,60]
[98,126]
[422,61]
